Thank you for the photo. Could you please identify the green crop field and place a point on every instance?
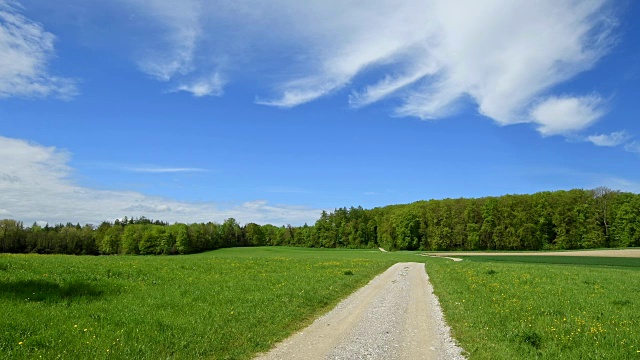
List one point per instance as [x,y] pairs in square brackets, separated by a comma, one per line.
[542,307]
[232,303]
[630,263]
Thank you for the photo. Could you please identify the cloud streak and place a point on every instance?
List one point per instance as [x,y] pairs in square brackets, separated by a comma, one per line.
[178,24]
[26,50]
[204,86]
[36,184]
[163,170]
[609,140]
[633,147]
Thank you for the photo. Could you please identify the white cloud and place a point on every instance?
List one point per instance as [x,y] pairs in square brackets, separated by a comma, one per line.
[563,115]
[206,86]
[613,139]
[504,56]
[26,49]
[36,185]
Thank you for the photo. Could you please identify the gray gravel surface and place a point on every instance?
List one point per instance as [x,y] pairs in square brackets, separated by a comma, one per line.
[395,316]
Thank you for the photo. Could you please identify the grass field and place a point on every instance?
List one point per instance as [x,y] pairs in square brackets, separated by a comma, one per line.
[226,304]
[231,303]
[629,263]
[527,307]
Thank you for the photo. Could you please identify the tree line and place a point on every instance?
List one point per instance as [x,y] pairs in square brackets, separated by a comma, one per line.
[574,219]
[129,236]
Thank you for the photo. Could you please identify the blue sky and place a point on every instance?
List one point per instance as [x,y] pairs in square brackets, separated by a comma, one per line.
[271,112]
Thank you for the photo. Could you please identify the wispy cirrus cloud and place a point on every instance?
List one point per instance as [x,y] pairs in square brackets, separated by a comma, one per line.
[36,184]
[389,85]
[147,168]
[610,140]
[26,49]
[178,24]
[172,57]
[204,86]
[505,57]
[163,170]
[633,147]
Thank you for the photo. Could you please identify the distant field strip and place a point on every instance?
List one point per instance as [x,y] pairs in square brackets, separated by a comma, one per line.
[629,253]
[632,263]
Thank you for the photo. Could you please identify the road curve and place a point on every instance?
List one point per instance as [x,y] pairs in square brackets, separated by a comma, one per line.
[395,316]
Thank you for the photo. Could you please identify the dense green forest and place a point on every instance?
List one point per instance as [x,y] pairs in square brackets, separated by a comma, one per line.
[575,219]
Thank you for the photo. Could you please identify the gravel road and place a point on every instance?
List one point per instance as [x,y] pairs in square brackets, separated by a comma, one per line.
[396,316]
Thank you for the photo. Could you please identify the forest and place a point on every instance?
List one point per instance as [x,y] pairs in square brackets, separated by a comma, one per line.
[574,219]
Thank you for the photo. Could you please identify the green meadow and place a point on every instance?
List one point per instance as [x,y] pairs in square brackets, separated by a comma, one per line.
[225,304]
[232,303]
[542,307]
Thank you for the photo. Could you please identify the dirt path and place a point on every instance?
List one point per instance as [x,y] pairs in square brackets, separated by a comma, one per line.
[395,316]
[633,253]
